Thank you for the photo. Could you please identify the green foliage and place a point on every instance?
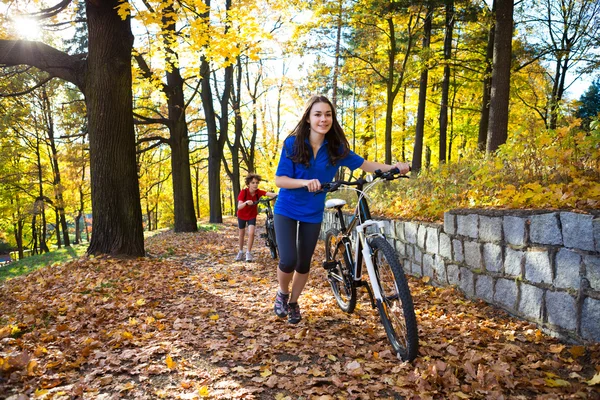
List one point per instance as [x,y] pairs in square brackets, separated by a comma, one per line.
[550,169]
[28,264]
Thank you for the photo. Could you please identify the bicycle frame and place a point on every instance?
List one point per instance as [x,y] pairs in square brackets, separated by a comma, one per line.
[361,251]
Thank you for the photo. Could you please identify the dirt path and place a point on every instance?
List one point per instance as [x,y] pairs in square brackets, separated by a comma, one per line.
[188,322]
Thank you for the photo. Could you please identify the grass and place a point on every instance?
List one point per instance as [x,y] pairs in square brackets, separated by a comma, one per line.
[28,264]
[31,263]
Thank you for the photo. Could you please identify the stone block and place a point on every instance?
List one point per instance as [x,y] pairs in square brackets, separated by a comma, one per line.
[401,248]
[490,229]
[506,293]
[418,257]
[473,254]
[484,287]
[561,309]
[568,267]
[432,241]
[421,234]
[545,229]
[459,254]
[453,274]
[399,230]
[531,302]
[428,263]
[596,225]
[592,270]
[577,230]
[590,320]
[514,230]
[410,231]
[537,266]
[428,268]
[513,262]
[445,246]
[449,223]
[410,251]
[492,257]
[416,269]
[466,282]
[440,270]
[467,225]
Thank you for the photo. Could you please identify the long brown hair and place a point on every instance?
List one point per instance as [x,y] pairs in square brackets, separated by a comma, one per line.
[337,144]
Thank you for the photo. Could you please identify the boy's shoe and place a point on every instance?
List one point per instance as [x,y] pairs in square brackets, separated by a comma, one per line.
[240,256]
[294,313]
[281,304]
[249,257]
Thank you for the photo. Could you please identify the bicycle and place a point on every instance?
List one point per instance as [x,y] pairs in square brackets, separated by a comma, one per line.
[387,285]
[269,235]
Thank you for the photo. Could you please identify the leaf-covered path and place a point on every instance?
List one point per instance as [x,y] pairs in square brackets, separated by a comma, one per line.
[188,322]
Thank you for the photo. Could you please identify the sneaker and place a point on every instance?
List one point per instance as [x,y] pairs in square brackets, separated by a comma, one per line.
[249,257]
[294,313]
[281,304]
[240,256]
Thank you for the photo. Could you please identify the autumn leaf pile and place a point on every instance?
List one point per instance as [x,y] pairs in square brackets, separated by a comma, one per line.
[187,322]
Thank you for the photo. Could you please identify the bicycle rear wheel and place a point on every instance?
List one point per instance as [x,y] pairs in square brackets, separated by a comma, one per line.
[340,276]
[271,240]
[396,309]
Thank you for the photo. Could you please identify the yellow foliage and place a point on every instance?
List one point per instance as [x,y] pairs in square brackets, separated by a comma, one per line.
[549,169]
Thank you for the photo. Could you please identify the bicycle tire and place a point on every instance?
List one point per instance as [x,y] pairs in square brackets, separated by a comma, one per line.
[271,239]
[340,277]
[397,310]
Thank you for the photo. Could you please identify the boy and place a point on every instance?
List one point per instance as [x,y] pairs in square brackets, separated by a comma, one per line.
[247,213]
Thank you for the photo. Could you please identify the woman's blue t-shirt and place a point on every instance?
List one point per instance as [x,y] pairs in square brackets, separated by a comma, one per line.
[300,204]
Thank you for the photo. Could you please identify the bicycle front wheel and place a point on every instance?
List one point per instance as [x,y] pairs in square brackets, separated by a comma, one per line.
[340,275]
[396,308]
[271,240]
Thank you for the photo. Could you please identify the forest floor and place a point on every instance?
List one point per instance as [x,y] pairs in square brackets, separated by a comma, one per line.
[188,322]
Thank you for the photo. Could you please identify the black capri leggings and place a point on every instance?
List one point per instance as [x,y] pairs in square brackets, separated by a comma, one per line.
[296,242]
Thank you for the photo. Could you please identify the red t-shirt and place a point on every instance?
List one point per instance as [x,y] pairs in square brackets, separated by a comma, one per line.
[249,212]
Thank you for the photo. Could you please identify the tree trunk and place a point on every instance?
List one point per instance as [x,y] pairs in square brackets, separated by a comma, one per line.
[417,162]
[446,80]
[214,155]
[117,215]
[500,92]
[183,199]
[61,219]
[487,86]
[336,67]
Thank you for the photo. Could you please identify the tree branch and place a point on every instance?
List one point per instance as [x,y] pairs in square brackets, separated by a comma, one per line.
[47,58]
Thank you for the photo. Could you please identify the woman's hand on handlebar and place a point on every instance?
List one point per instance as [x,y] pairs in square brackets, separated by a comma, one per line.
[312,185]
[402,167]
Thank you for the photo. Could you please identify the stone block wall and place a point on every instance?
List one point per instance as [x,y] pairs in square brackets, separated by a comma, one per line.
[541,266]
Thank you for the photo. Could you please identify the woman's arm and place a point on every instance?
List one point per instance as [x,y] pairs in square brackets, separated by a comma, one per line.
[372,166]
[286,182]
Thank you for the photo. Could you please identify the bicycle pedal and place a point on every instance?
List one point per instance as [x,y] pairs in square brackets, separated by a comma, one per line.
[328,265]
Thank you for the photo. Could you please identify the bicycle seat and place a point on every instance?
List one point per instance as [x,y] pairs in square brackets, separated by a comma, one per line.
[334,203]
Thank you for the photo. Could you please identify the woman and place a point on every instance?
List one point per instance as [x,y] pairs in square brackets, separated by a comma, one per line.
[311,154]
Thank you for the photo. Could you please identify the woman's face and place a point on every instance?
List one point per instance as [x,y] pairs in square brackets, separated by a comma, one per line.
[320,118]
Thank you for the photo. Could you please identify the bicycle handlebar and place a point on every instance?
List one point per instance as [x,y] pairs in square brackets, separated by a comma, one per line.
[265,200]
[394,173]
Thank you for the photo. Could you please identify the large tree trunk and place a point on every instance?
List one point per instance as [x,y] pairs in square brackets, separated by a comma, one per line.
[117,214]
[498,128]
[183,199]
